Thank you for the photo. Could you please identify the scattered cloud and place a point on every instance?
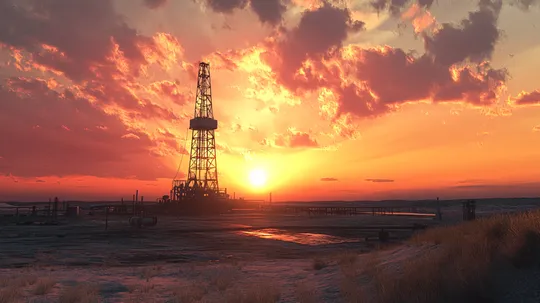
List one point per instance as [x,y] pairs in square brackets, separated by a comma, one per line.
[292,139]
[153,4]
[268,11]
[355,79]
[380,180]
[329,179]
[527,98]
[474,40]
[525,4]
[396,6]
[536,128]
[470,181]
[101,60]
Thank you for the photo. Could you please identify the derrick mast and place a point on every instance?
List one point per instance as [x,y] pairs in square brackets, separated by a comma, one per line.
[202,161]
[202,178]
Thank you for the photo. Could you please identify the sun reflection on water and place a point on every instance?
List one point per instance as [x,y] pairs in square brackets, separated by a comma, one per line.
[300,238]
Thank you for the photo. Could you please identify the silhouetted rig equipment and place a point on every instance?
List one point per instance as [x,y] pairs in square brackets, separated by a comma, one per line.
[349,211]
[469,210]
[200,192]
[42,214]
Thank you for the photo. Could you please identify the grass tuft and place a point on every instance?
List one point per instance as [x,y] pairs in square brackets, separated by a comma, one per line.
[10,295]
[44,286]
[223,278]
[259,293]
[81,293]
[189,293]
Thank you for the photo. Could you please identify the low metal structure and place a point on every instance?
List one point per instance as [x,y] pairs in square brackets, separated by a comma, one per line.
[469,210]
[349,211]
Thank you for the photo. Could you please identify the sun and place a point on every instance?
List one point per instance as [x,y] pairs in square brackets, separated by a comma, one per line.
[257,177]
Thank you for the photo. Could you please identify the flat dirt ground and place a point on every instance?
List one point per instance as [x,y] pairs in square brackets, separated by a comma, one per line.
[191,260]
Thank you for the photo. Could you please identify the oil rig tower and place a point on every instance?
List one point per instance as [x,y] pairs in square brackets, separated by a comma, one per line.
[201,186]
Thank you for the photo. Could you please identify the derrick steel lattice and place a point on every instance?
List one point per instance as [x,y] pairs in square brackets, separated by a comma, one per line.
[202,172]
[202,178]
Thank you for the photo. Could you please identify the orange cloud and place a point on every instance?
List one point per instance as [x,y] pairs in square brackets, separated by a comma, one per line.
[421,19]
[292,139]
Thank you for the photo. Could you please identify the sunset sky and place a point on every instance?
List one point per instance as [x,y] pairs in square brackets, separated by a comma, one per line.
[341,100]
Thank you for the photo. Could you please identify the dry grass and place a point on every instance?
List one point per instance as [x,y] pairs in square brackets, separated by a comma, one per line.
[44,286]
[81,293]
[223,277]
[260,293]
[18,281]
[459,265]
[189,293]
[150,272]
[347,258]
[306,293]
[9,295]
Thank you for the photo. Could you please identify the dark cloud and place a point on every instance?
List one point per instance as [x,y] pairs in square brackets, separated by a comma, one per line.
[525,4]
[470,181]
[380,180]
[226,6]
[46,132]
[329,179]
[87,42]
[269,11]
[153,4]
[530,98]
[473,40]
[395,6]
[81,32]
[319,33]
[311,56]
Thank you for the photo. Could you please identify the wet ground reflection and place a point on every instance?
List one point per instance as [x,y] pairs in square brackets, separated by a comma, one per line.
[300,238]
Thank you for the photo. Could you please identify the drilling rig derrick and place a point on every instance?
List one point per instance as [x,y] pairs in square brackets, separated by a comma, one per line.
[202,183]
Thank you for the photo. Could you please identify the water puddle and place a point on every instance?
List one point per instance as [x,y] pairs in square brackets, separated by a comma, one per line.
[300,238]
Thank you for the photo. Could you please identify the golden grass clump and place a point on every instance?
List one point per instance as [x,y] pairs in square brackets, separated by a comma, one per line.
[44,286]
[80,293]
[459,265]
[260,293]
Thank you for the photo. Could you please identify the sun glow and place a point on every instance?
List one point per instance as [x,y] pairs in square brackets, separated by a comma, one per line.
[258,177]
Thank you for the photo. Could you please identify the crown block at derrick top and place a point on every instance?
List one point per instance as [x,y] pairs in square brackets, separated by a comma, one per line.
[203,124]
